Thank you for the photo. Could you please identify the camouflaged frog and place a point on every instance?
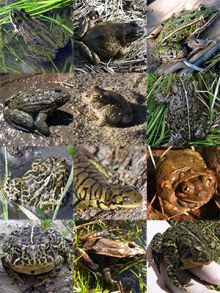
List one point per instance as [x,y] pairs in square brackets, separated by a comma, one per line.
[181,247]
[186,118]
[107,39]
[108,106]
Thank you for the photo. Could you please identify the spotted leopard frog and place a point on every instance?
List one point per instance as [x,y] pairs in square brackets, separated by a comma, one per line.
[41,186]
[28,111]
[176,34]
[43,41]
[102,250]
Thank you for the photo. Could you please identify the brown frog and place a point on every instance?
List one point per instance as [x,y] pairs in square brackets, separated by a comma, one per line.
[102,250]
[183,182]
[108,106]
[107,39]
[186,117]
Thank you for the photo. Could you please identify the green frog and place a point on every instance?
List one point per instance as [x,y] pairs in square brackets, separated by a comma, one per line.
[43,41]
[28,111]
[107,39]
[102,250]
[183,246]
[177,34]
[41,186]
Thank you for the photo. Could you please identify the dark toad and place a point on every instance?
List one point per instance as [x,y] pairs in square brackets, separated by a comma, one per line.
[28,111]
[186,119]
[107,39]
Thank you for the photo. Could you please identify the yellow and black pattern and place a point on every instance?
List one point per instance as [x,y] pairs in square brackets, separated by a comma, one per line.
[92,189]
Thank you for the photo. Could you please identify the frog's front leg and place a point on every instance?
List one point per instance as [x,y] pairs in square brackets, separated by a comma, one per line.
[11,273]
[19,119]
[89,54]
[174,278]
[196,45]
[41,125]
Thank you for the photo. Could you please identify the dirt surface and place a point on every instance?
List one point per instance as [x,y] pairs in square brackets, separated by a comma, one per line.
[128,166]
[208,211]
[72,123]
[19,160]
[161,10]
[62,283]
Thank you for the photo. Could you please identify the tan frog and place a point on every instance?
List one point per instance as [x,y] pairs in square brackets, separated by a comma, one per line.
[107,39]
[183,182]
[108,106]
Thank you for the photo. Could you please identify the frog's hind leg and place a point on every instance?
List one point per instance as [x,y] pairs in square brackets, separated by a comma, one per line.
[19,119]
[90,55]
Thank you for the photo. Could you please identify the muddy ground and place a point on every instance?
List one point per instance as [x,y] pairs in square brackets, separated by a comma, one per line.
[72,123]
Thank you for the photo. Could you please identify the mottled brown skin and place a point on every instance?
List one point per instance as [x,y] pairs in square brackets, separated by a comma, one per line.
[183,182]
[107,39]
[102,250]
[109,107]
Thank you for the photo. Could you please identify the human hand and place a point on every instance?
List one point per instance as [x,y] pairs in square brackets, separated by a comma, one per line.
[158,283]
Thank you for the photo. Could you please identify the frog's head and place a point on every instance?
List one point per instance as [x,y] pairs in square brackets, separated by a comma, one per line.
[203,17]
[60,97]
[127,197]
[19,18]
[131,32]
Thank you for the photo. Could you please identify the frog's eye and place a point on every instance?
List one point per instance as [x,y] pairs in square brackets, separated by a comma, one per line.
[131,244]
[202,7]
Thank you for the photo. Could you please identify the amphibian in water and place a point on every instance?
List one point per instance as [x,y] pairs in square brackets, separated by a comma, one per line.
[107,39]
[108,106]
[43,41]
[28,111]
[41,186]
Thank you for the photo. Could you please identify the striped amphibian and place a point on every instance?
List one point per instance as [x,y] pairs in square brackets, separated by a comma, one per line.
[92,189]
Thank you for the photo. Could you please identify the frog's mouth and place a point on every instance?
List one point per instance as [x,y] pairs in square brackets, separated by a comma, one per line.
[190,204]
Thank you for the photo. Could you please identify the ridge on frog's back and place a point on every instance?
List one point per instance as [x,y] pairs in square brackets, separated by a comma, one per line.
[43,41]
[175,34]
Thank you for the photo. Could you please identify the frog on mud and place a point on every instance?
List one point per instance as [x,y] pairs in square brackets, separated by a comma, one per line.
[103,251]
[28,111]
[108,106]
[107,39]
[186,119]
[42,40]
[181,247]
[179,33]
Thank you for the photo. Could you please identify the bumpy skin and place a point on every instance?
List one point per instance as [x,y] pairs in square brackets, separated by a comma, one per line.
[42,40]
[107,39]
[28,111]
[33,250]
[92,189]
[183,246]
[183,182]
[186,119]
[109,107]
[179,31]
[41,186]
